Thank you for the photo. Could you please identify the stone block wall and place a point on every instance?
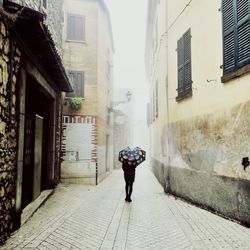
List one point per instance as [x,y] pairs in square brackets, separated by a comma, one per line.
[9,67]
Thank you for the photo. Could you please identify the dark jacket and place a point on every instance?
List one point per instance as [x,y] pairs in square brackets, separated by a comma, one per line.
[129,171]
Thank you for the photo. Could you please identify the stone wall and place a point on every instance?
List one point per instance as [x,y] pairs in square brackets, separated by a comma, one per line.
[8,128]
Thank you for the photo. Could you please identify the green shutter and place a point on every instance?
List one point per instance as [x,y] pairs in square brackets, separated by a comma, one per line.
[229,35]
[236,34]
[187,61]
[243,32]
[180,54]
[184,64]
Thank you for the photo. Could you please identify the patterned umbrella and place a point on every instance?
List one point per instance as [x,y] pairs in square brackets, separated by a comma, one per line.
[132,156]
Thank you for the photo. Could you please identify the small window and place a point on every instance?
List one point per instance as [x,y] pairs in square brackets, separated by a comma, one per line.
[76,28]
[77,81]
[236,35]
[184,66]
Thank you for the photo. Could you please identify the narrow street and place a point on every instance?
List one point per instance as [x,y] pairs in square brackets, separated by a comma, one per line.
[97,217]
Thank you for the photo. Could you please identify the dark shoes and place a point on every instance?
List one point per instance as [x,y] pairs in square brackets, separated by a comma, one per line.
[128,199]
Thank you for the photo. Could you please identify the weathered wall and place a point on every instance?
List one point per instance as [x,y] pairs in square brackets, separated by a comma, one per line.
[82,56]
[197,144]
[80,155]
[8,129]
[92,56]
[204,161]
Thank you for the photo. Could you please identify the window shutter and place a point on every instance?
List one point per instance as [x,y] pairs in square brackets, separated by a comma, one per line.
[243,31]
[184,64]
[77,81]
[76,26]
[187,60]
[80,27]
[236,34]
[180,54]
[71,79]
[229,35]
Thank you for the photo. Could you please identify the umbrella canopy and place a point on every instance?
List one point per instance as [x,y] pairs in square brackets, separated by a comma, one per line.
[133,156]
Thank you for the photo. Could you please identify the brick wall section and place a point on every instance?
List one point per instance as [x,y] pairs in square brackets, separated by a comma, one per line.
[8,130]
[84,119]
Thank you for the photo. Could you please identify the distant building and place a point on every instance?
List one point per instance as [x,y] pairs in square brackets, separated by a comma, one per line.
[88,58]
[197,59]
[31,80]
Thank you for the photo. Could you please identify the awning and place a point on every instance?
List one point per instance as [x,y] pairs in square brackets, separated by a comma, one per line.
[35,39]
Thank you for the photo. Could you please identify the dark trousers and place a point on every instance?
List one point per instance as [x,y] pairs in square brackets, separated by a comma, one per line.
[129,181]
[129,189]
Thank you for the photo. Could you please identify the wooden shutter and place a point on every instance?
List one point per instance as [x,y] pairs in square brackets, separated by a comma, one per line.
[229,35]
[79,84]
[77,81]
[180,52]
[76,27]
[187,60]
[184,64]
[243,32]
[236,34]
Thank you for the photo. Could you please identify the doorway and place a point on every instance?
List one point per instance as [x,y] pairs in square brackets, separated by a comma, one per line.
[36,142]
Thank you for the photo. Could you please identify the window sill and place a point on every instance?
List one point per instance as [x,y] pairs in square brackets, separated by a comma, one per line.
[237,73]
[69,97]
[184,95]
[76,41]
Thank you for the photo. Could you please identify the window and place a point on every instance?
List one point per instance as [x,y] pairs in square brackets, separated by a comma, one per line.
[236,34]
[77,80]
[184,66]
[76,28]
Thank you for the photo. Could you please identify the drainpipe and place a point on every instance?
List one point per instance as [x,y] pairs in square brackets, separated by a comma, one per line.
[96,173]
[167,188]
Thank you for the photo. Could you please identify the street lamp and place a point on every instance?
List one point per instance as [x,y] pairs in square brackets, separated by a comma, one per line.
[114,104]
[129,95]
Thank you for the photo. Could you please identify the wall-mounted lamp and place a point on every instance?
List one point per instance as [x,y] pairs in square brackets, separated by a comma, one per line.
[114,104]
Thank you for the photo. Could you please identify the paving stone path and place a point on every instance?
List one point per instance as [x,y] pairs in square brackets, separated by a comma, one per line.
[97,217]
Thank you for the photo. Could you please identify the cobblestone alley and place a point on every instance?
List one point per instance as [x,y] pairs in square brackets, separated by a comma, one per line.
[97,217]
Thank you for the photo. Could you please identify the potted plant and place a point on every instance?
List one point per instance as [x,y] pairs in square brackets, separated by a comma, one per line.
[75,102]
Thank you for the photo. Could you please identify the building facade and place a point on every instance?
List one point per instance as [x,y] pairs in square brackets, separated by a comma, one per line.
[200,102]
[88,58]
[32,78]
